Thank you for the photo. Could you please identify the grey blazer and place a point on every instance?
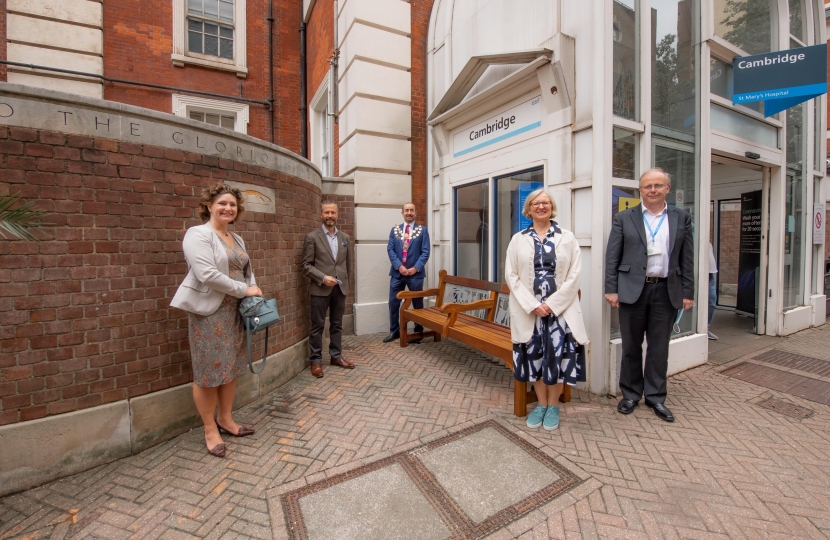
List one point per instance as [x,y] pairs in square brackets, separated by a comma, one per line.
[207,280]
[318,262]
[626,258]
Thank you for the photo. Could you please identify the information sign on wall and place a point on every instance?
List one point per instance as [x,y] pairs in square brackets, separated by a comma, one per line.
[780,79]
[819,225]
[510,123]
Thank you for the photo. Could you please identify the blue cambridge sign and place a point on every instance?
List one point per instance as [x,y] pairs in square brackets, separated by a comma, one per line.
[780,79]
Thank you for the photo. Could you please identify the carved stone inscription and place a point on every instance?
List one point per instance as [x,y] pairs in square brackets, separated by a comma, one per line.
[154,129]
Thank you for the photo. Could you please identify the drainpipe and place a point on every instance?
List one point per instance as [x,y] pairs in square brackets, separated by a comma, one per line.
[335,60]
[271,64]
[303,100]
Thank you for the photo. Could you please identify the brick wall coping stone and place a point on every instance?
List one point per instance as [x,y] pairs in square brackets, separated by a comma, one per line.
[36,108]
[333,185]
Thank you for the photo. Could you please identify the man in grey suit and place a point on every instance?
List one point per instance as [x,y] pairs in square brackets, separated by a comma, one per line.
[649,275]
[326,261]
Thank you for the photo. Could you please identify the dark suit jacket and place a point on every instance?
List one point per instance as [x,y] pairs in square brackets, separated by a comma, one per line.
[626,258]
[318,261]
[417,254]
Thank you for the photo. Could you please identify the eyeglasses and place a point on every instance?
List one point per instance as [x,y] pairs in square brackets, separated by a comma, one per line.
[649,187]
[540,205]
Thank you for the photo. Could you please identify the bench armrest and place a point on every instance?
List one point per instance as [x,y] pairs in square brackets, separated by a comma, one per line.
[472,306]
[454,308]
[403,295]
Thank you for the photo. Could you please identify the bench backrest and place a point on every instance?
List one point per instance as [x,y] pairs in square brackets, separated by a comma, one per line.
[465,290]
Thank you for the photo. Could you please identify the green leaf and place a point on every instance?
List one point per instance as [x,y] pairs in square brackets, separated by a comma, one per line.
[20,220]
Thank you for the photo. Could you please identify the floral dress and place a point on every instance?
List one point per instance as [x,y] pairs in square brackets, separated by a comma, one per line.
[552,355]
[217,342]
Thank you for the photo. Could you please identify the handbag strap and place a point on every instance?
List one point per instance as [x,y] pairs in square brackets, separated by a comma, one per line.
[264,353]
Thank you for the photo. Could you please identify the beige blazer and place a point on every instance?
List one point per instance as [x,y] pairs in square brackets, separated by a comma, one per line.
[564,302]
[207,280]
[318,262]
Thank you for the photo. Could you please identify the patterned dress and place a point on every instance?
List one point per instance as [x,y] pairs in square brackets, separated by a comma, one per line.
[552,354]
[217,341]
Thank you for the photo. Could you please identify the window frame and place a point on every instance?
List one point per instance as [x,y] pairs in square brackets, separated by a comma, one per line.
[321,127]
[182,57]
[184,104]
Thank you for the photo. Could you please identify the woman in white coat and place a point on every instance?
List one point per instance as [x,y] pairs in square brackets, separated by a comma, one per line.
[542,271]
[219,274]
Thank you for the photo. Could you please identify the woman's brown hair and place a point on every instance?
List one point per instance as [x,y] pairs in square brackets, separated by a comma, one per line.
[209,195]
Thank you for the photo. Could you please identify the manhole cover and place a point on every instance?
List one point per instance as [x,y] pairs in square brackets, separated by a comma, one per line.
[787,409]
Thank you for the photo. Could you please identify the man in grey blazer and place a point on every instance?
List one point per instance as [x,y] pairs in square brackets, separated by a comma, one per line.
[326,261]
[649,275]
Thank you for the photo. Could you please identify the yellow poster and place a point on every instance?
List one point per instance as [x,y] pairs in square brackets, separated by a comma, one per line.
[628,202]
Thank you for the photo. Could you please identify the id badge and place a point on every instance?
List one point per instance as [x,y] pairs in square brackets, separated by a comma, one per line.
[654,249]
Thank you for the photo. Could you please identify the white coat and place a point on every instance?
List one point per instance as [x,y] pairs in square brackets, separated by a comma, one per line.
[564,303]
[208,277]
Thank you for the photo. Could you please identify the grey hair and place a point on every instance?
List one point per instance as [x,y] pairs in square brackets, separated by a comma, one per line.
[327,202]
[657,170]
[535,194]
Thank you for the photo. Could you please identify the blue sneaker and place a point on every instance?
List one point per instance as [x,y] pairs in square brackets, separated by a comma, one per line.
[535,418]
[551,420]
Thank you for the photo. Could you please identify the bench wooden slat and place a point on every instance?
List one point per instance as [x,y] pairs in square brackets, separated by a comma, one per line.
[481,334]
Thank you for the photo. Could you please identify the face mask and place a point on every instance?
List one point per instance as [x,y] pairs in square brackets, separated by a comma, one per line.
[676,327]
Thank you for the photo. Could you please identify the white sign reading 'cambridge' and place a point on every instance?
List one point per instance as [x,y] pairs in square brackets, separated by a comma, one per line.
[510,123]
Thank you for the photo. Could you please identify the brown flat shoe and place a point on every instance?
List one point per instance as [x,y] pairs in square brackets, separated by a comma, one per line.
[317,370]
[342,362]
[218,450]
[243,431]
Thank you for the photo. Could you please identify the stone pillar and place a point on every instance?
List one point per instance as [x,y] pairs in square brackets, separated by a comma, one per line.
[374,85]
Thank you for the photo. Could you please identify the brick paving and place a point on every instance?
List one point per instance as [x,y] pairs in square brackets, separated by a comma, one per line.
[728,468]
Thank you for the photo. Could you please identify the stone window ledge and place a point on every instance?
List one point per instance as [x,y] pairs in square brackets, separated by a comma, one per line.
[181,60]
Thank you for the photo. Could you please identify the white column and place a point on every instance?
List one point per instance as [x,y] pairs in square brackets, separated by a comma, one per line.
[374,85]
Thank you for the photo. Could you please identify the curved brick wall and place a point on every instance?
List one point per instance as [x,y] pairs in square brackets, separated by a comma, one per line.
[85,317]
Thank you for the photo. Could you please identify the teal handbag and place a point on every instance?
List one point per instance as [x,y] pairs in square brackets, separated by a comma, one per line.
[258,313]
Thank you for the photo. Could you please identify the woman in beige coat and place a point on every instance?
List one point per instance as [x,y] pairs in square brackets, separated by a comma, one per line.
[219,275]
[542,271]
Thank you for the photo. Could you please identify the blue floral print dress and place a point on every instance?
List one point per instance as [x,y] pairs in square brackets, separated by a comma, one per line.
[552,355]
[217,341]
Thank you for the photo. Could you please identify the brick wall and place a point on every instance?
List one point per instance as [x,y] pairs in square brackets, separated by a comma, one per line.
[138,42]
[319,48]
[421,11]
[85,317]
[730,247]
[346,222]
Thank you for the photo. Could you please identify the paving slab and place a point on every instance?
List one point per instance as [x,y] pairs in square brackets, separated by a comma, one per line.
[485,472]
[380,505]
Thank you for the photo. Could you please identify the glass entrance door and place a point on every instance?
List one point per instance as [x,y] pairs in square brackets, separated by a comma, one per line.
[740,239]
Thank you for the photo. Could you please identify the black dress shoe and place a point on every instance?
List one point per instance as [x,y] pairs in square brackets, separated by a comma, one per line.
[662,411]
[415,341]
[392,337]
[626,406]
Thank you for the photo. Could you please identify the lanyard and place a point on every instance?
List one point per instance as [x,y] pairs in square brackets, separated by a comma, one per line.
[653,233]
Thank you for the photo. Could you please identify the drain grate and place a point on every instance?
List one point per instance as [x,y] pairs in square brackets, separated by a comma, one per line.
[782,381]
[814,366]
[787,409]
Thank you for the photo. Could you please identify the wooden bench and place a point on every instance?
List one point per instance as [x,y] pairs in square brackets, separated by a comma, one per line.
[486,334]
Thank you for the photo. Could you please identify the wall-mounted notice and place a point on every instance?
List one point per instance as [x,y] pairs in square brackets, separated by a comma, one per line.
[819,225]
[510,123]
[749,259]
